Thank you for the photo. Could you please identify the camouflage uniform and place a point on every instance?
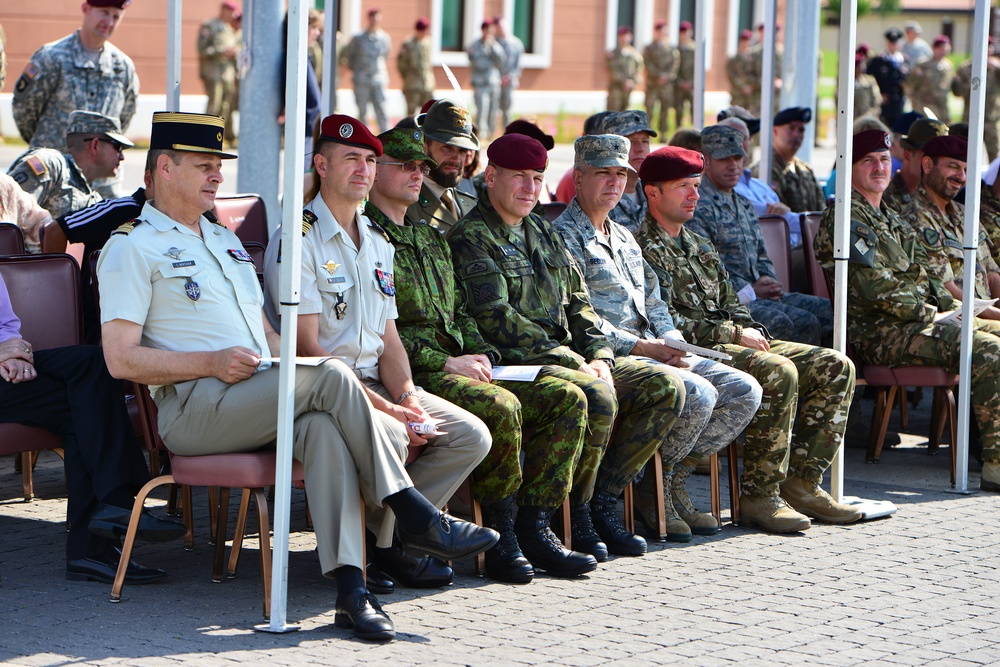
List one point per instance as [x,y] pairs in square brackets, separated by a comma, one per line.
[757,56]
[740,70]
[365,56]
[54,180]
[485,61]
[897,196]
[684,83]
[989,217]
[891,304]
[61,78]
[531,304]
[217,69]
[545,419]
[630,211]
[942,236]
[661,64]
[718,402]
[867,98]
[415,67]
[623,76]
[812,386]
[795,184]
[729,222]
[513,49]
[928,85]
[961,86]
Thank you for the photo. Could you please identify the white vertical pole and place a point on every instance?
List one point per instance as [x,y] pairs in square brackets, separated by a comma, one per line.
[174,12]
[767,91]
[798,72]
[698,90]
[331,24]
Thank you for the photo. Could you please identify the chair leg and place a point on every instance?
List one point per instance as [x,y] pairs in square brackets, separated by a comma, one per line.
[477,518]
[133,527]
[172,501]
[364,541]
[213,516]
[263,518]
[567,537]
[937,423]
[660,492]
[884,399]
[188,509]
[904,411]
[734,484]
[238,534]
[952,418]
[628,494]
[220,536]
[27,482]
[715,489]
[309,517]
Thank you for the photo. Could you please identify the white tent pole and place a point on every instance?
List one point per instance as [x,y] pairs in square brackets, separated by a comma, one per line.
[291,258]
[974,184]
[842,217]
[174,12]
[331,23]
[767,91]
[698,92]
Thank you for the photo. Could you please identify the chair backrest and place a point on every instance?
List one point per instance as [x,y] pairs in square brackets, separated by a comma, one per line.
[553,209]
[53,239]
[11,239]
[150,432]
[245,215]
[256,252]
[774,229]
[817,276]
[45,294]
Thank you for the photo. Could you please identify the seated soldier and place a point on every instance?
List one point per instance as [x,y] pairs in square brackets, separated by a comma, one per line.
[793,179]
[805,387]
[894,301]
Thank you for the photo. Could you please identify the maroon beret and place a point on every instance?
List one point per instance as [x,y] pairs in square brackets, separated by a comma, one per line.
[422,23]
[745,35]
[659,25]
[231,5]
[870,141]
[940,40]
[342,129]
[671,163]
[117,4]
[684,26]
[373,11]
[529,129]
[952,146]
[625,30]
[485,24]
[517,151]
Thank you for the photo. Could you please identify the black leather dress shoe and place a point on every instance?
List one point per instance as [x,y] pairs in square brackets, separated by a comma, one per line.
[361,611]
[112,522]
[103,571]
[449,538]
[412,571]
[377,582]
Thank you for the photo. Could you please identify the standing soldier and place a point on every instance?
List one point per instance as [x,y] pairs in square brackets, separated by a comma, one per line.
[757,55]
[930,81]
[890,70]
[486,57]
[661,69]
[961,86]
[739,68]
[624,63]
[366,57]
[510,73]
[867,100]
[684,83]
[415,67]
[218,47]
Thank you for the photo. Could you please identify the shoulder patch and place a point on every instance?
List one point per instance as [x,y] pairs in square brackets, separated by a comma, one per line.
[37,166]
[931,236]
[308,220]
[127,228]
[378,228]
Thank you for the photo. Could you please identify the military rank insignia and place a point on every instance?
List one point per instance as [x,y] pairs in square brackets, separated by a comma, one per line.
[385,282]
[240,255]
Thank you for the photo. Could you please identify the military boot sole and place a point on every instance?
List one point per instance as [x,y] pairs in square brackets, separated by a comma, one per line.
[563,570]
[849,515]
[513,571]
[785,527]
[706,530]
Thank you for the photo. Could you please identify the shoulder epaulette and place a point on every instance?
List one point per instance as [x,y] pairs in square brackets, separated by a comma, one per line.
[308,220]
[127,228]
[380,230]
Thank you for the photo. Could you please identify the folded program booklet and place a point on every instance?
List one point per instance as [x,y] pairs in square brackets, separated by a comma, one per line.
[684,346]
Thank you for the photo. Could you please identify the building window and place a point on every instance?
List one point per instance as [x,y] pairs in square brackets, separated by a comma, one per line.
[637,14]
[452,25]
[523,23]
[626,14]
[531,21]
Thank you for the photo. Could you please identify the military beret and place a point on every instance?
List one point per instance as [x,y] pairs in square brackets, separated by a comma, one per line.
[721,141]
[448,123]
[684,26]
[625,30]
[373,11]
[529,129]
[903,123]
[517,151]
[91,122]
[671,163]
[870,141]
[922,131]
[941,40]
[893,34]
[601,150]
[343,129]
[625,123]
[231,5]
[405,144]
[117,4]
[956,148]
[745,35]
[864,48]
[425,107]
[785,116]
[752,122]
[660,25]
[422,23]
[189,132]
[485,24]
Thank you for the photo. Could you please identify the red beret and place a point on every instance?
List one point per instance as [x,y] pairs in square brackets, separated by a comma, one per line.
[659,25]
[940,40]
[745,34]
[343,129]
[531,130]
[373,11]
[671,163]
[231,5]
[517,151]
[117,4]
[422,23]
[485,24]
[869,141]
[625,30]
[951,146]
[427,105]
[685,26]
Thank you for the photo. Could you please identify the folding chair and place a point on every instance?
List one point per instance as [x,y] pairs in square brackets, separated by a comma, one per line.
[11,239]
[774,229]
[245,215]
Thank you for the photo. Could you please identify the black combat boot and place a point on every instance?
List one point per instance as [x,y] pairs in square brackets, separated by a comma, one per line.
[544,549]
[609,525]
[505,562]
[584,537]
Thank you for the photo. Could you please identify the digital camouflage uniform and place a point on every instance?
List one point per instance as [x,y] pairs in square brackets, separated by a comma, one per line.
[623,76]
[684,83]
[485,60]
[630,211]
[545,419]
[897,196]
[661,64]
[942,237]
[365,56]
[415,67]
[928,86]
[217,69]
[989,217]
[961,86]
[757,56]
[513,49]
[867,98]
[60,78]
[530,302]
[805,386]
[795,184]
[718,401]
[730,223]
[739,69]
[891,304]
[54,180]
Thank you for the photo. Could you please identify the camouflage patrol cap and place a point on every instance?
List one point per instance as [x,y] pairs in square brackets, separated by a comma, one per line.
[90,122]
[922,131]
[625,123]
[721,141]
[405,144]
[450,124]
[601,150]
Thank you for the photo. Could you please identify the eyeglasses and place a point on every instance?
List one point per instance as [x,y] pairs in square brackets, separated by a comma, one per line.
[409,167]
[117,145]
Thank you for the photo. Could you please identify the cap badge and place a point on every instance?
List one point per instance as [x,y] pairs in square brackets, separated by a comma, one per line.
[346,130]
[218,136]
[888,141]
[461,116]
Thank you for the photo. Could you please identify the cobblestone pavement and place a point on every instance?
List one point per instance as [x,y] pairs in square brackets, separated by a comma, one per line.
[918,588]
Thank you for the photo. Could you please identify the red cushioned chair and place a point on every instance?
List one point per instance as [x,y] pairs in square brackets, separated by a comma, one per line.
[774,229]
[11,239]
[245,215]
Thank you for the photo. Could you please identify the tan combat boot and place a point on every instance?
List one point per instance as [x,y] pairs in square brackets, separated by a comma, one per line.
[810,499]
[699,522]
[772,514]
[990,479]
[645,509]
